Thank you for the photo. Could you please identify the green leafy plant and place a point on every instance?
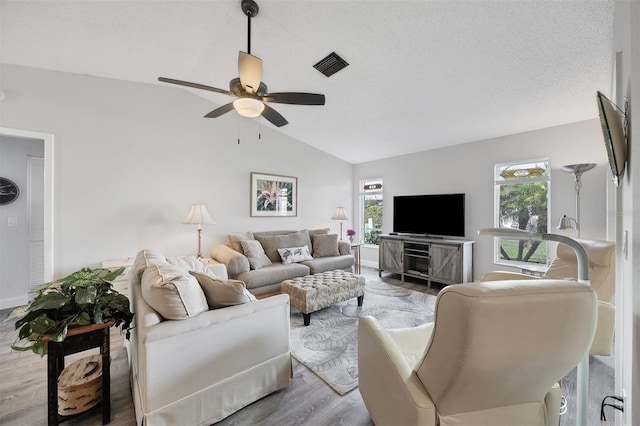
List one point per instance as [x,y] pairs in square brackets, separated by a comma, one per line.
[82,298]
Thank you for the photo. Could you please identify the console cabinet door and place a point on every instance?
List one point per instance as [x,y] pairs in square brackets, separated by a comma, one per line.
[390,258]
[445,264]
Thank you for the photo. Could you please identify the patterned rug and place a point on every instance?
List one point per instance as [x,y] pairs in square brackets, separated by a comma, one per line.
[328,346]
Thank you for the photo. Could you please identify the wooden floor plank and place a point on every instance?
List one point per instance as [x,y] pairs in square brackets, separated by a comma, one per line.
[308,401]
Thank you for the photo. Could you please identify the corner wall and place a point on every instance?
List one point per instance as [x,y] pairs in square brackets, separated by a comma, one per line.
[131,158]
[469,168]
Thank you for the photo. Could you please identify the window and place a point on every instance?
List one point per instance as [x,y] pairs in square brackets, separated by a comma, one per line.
[522,202]
[371,210]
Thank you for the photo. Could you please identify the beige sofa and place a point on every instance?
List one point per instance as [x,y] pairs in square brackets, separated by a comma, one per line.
[263,275]
[203,364]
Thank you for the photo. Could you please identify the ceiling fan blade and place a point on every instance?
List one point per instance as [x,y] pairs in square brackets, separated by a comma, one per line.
[274,116]
[294,98]
[195,85]
[219,111]
[250,70]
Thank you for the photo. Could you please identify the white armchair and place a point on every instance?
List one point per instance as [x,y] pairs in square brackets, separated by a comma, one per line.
[493,355]
[602,278]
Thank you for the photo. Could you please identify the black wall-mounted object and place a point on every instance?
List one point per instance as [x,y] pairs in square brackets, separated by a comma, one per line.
[9,191]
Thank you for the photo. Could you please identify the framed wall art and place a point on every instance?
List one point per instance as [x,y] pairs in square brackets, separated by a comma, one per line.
[273,195]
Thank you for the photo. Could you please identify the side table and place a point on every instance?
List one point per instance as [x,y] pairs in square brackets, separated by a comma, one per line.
[355,249]
[78,339]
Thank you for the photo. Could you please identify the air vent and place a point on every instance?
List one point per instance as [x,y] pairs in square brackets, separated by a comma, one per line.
[331,64]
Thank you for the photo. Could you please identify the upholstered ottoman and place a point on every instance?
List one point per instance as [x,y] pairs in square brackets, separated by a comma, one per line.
[318,291]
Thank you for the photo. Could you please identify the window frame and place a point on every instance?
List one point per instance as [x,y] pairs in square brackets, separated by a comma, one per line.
[498,182]
[363,193]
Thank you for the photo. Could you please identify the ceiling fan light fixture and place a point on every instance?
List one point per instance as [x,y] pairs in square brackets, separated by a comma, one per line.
[248,107]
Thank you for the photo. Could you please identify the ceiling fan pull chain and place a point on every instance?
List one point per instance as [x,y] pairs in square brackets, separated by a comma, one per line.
[260,128]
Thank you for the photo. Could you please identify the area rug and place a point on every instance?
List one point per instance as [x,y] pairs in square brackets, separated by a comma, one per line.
[329,345]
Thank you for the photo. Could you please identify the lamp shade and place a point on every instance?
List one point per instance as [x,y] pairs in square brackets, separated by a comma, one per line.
[566,223]
[340,214]
[248,107]
[198,215]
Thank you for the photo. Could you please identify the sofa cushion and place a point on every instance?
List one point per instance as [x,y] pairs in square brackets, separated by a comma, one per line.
[172,292]
[271,243]
[188,263]
[145,258]
[324,264]
[294,254]
[325,245]
[221,293]
[255,253]
[235,240]
[318,231]
[274,273]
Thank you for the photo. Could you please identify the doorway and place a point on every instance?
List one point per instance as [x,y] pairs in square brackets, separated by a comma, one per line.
[26,223]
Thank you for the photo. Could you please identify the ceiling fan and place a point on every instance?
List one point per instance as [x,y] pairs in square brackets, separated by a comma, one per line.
[251,92]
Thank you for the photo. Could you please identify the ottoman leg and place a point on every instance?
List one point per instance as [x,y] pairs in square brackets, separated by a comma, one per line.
[307,319]
[360,299]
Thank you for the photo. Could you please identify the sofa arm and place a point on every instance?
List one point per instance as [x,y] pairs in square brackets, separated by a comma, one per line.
[236,263]
[392,392]
[344,247]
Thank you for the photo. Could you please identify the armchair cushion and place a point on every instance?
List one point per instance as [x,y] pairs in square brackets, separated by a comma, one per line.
[493,355]
[172,292]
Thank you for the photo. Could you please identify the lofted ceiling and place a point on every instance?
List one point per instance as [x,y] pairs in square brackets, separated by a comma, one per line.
[421,75]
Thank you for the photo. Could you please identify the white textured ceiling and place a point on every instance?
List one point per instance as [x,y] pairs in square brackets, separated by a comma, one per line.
[422,74]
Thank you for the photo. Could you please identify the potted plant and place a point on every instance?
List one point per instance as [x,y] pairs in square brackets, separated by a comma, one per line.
[85,297]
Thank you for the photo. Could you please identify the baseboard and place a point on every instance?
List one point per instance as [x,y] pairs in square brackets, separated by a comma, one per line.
[370,263]
[13,302]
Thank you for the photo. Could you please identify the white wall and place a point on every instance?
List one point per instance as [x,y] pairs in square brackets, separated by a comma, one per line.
[469,167]
[14,240]
[627,84]
[131,158]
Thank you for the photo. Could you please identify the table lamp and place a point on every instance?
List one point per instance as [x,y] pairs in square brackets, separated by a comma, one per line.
[340,214]
[198,215]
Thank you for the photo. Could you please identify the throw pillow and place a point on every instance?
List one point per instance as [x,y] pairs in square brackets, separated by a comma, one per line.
[172,292]
[255,253]
[145,258]
[294,254]
[235,240]
[188,263]
[325,245]
[222,293]
[271,243]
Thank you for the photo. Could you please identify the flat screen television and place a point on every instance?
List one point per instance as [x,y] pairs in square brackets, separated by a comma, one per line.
[614,137]
[430,215]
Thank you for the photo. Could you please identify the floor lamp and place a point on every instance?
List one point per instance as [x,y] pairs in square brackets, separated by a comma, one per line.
[582,379]
[577,170]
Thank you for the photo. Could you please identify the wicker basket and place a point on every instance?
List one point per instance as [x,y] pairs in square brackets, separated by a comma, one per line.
[80,386]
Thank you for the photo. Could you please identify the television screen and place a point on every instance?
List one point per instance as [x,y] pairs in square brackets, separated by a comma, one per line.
[614,137]
[436,214]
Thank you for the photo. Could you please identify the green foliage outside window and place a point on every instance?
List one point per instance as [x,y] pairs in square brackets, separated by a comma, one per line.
[524,205]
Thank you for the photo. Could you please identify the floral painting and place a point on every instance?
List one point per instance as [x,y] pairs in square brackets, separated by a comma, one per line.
[273,195]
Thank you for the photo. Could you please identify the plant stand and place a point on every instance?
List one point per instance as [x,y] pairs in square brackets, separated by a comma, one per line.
[78,339]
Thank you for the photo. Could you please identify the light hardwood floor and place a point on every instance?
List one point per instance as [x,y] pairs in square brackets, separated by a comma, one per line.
[308,401]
